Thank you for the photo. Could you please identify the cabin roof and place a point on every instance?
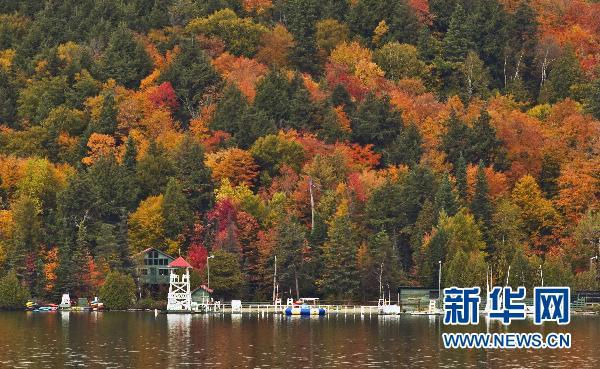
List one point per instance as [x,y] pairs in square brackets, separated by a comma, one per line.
[143,252]
[202,287]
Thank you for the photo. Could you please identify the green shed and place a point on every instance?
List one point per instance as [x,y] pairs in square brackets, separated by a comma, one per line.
[202,295]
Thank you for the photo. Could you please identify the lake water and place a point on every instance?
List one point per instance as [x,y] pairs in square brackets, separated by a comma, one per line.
[141,340]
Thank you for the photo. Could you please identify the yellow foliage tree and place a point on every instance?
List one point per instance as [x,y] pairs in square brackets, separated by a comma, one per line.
[146,225]
[100,146]
[235,164]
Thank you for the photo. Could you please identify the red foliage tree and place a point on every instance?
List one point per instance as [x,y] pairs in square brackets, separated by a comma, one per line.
[163,96]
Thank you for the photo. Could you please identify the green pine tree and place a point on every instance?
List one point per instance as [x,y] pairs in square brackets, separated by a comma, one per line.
[153,171]
[460,173]
[229,111]
[457,41]
[124,59]
[339,279]
[549,176]
[107,121]
[445,198]
[175,210]
[273,97]
[301,17]
[192,75]
[484,144]
[290,259]
[193,175]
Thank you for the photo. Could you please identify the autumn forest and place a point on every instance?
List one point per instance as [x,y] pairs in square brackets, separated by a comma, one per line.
[358,141]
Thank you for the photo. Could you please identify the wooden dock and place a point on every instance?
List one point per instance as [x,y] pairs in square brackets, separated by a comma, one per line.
[266,308]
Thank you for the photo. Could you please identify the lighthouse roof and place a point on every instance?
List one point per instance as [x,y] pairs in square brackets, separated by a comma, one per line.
[179,263]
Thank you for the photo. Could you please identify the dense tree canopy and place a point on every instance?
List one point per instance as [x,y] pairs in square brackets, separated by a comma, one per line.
[351,140]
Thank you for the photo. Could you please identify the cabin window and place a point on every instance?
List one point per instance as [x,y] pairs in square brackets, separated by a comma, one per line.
[163,271]
[144,271]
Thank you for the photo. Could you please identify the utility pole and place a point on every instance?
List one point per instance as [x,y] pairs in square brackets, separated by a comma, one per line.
[440,280]
[380,275]
[208,269]
[275,279]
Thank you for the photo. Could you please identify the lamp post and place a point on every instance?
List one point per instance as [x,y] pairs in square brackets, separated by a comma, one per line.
[440,280]
[208,269]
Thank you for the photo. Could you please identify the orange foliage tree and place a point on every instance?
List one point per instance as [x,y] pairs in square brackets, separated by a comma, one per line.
[235,164]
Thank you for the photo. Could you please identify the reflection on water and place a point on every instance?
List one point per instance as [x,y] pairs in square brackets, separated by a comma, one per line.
[143,340]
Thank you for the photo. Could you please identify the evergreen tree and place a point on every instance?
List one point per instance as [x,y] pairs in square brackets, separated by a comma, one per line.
[481,205]
[340,274]
[334,9]
[460,173]
[175,210]
[301,17]
[107,246]
[13,295]
[229,111]
[303,113]
[488,22]
[341,97]
[253,125]
[124,59]
[549,176]
[435,252]
[226,277]
[385,261]
[110,189]
[445,198]
[399,16]
[289,251]
[193,175]
[376,122]
[128,169]
[273,97]
[130,156]
[457,41]
[8,99]
[442,11]
[26,237]
[484,144]
[593,99]
[455,143]
[107,121]
[154,170]
[406,148]
[192,75]
[521,75]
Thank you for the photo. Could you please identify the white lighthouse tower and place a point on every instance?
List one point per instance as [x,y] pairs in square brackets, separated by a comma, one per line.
[179,298]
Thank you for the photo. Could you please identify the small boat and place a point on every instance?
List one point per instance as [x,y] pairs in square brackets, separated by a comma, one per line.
[305,307]
[96,305]
[31,306]
[47,308]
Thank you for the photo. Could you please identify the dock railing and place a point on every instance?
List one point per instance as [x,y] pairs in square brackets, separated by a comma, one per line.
[270,308]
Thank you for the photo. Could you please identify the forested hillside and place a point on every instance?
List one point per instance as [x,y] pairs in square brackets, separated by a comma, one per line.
[355,140]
